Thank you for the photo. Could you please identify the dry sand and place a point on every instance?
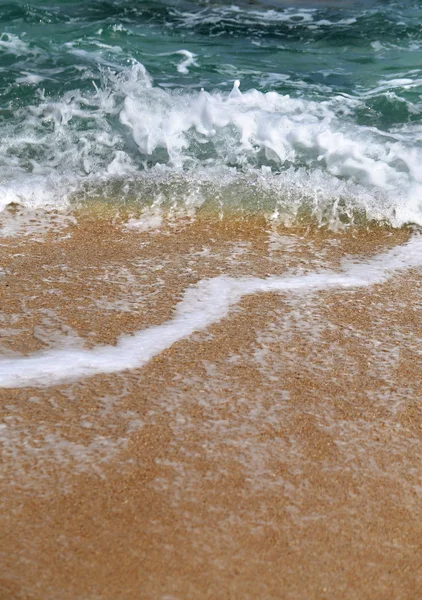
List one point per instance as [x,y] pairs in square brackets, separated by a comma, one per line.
[275,455]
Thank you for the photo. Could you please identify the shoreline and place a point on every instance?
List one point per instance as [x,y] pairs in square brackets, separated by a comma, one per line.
[274,454]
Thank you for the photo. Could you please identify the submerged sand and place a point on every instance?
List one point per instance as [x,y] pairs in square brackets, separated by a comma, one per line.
[276,454]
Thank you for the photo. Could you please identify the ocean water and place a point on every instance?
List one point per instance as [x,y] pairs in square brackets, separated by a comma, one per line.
[303,112]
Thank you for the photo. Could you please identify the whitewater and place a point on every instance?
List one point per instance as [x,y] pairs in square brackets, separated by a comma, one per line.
[292,113]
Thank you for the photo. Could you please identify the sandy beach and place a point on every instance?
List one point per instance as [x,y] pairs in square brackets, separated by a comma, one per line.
[210,300]
[275,454]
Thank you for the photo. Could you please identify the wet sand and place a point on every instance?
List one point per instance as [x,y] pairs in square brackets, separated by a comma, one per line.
[276,454]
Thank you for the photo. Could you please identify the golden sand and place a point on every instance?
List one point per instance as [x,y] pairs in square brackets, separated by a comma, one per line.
[275,455]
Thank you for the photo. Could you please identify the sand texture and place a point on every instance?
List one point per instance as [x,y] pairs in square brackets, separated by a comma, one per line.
[276,454]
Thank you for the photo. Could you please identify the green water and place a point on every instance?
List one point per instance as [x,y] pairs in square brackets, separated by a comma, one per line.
[135,100]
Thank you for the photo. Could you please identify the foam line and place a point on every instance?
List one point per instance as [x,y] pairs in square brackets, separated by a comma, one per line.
[204,304]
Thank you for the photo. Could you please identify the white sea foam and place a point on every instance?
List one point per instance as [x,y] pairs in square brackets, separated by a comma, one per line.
[30,78]
[12,44]
[202,305]
[150,220]
[234,14]
[129,129]
[189,60]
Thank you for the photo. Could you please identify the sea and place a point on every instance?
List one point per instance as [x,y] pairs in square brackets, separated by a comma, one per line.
[300,111]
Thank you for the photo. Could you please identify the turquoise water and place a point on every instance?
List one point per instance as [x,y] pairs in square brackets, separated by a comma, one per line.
[313,108]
